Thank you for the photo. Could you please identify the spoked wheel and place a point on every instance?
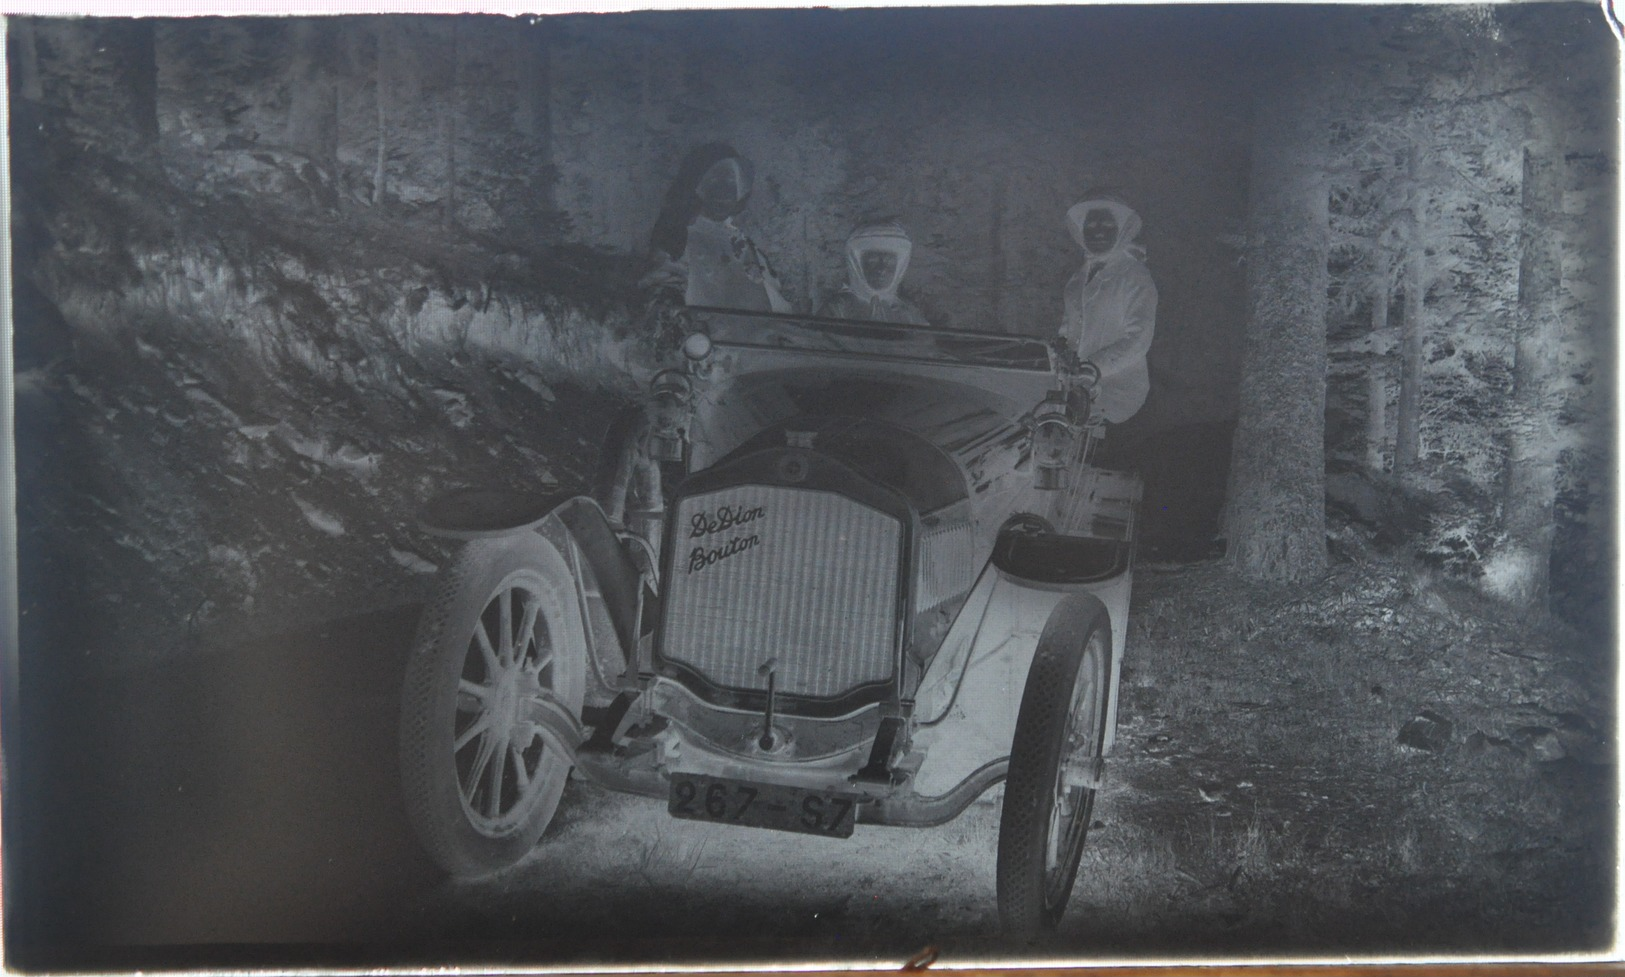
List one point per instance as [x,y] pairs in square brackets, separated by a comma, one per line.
[498,647]
[1049,795]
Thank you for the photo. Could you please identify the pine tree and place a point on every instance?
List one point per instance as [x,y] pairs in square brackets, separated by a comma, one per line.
[1521,571]
[313,120]
[1275,517]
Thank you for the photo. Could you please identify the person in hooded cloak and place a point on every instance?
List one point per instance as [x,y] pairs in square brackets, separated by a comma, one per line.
[697,246]
[876,258]
[1111,304]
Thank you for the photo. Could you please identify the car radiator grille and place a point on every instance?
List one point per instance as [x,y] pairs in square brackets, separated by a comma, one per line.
[805,577]
[947,565]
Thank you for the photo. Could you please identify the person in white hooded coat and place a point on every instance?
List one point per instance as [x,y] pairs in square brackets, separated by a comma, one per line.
[1111,304]
[876,258]
[696,246]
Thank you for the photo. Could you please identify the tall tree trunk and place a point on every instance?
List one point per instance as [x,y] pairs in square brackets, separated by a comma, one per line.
[116,91]
[1376,411]
[383,63]
[448,120]
[1408,413]
[1522,570]
[24,58]
[1276,513]
[1408,422]
[313,108]
[138,41]
[533,114]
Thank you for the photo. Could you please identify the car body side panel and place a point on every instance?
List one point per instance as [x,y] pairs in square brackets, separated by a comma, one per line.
[1115,595]
[970,696]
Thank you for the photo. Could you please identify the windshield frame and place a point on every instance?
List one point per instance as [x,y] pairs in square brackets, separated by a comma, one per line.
[873,342]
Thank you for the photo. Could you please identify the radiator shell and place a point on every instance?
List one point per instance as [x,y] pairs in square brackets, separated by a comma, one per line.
[808,577]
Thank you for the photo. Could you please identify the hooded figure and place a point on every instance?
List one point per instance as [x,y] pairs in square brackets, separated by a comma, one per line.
[1111,304]
[696,244]
[876,258]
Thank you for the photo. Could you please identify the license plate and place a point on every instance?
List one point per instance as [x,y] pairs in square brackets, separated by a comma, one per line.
[813,812]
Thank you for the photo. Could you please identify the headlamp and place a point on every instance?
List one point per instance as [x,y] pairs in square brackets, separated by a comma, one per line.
[696,347]
[1055,437]
[670,406]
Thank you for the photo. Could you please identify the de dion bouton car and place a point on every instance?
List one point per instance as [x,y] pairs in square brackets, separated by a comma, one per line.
[836,574]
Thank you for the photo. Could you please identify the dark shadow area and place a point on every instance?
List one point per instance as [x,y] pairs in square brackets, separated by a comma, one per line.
[1184,469]
[244,796]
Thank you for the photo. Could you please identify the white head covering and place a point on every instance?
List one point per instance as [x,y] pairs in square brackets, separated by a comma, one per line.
[1128,226]
[883,236]
[725,185]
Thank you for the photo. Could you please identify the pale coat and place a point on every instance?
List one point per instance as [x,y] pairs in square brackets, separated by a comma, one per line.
[725,270]
[857,299]
[1110,313]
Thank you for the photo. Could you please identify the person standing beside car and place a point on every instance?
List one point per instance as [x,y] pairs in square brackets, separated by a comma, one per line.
[697,247]
[876,258]
[1111,304]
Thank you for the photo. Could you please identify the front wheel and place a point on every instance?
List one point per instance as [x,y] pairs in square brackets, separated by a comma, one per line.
[499,636]
[1049,794]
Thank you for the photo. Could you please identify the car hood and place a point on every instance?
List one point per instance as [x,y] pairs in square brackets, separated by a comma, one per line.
[965,395]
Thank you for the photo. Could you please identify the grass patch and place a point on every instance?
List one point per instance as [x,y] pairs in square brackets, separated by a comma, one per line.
[1260,767]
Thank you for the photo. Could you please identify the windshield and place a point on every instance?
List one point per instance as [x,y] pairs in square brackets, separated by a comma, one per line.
[873,340]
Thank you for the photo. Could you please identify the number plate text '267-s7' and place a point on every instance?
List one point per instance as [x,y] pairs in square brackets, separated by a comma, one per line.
[762,805]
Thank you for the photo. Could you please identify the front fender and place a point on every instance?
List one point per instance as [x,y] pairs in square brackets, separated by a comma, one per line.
[970,696]
[611,585]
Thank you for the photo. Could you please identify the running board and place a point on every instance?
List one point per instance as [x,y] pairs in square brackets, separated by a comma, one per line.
[914,811]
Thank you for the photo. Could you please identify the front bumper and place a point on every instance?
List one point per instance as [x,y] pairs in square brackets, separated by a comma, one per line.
[726,752]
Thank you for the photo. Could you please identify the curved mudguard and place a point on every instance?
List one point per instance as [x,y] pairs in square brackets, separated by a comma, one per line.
[609,582]
[968,700]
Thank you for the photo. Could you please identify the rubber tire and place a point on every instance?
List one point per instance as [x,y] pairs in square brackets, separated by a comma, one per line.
[429,776]
[1077,636]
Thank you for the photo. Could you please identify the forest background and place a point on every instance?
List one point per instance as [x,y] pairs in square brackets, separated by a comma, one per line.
[1455,417]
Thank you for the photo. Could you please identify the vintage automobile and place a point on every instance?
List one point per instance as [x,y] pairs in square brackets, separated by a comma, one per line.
[837,573]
